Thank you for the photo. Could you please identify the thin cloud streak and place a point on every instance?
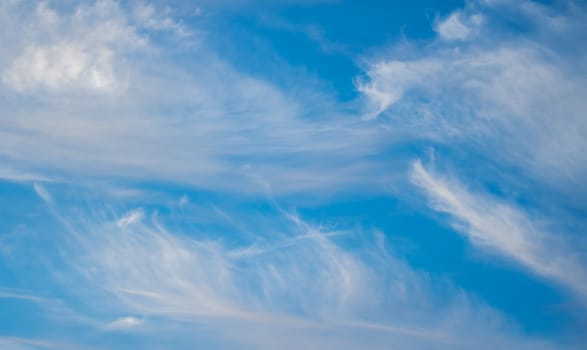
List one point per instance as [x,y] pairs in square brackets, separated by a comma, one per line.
[501,227]
[19,343]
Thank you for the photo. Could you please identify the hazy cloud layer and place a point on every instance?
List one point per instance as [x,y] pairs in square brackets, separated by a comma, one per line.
[109,100]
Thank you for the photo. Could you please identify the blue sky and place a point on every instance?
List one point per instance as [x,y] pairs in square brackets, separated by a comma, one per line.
[293,174]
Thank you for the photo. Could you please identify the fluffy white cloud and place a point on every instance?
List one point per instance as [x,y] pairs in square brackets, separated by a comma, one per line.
[82,50]
[62,66]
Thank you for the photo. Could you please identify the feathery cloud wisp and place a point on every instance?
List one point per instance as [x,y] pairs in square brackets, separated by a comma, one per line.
[502,228]
[495,88]
[205,123]
[298,282]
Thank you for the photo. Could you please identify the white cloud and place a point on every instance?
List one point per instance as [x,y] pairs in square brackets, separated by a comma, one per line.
[390,80]
[46,14]
[295,284]
[20,343]
[83,50]
[6,293]
[148,16]
[508,109]
[453,28]
[42,192]
[120,105]
[123,323]
[63,66]
[500,227]
[490,92]
[183,201]
[11,174]
[130,218]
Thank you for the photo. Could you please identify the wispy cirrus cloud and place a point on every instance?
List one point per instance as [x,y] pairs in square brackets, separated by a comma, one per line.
[205,123]
[123,323]
[16,343]
[296,286]
[503,106]
[458,26]
[484,84]
[501,227]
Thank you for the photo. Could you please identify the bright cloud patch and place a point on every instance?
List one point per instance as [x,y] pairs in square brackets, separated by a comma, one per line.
[69,52]
[459,26]
[63,66]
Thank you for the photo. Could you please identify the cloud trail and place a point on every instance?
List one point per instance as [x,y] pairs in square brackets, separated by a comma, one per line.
[501,227]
